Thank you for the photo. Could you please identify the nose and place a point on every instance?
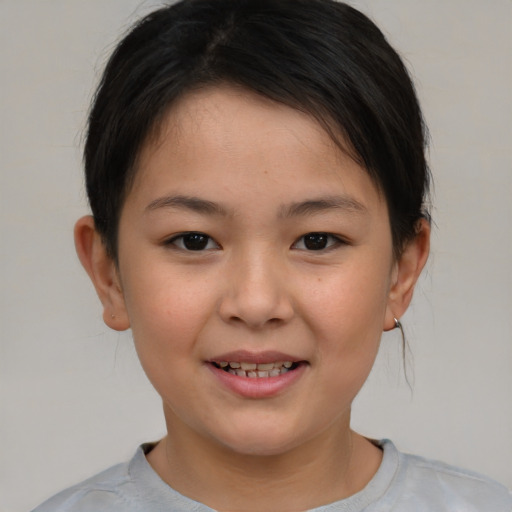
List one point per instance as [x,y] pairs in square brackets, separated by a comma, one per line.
[256,293]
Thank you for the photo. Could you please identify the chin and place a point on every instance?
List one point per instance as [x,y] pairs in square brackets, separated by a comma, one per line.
[260,448]
[264,442]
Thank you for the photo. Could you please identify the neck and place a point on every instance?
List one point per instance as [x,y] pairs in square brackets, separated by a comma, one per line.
[333,466]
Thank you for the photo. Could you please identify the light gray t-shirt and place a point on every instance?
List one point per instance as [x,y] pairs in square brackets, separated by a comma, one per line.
[403,483]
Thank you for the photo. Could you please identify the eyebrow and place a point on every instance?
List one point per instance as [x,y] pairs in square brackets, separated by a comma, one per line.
[195,204]
[296,209]
[313,206]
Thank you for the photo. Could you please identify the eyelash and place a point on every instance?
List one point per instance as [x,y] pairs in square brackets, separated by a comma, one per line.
[179,241]
[204,241]
[332,241]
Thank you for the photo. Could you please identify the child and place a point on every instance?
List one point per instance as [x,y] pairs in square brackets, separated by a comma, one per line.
[257,179]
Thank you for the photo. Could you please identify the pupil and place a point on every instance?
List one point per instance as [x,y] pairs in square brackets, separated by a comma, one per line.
[195,241]
[315,241]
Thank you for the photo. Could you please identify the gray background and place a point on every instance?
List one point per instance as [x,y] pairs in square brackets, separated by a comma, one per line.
[73,398]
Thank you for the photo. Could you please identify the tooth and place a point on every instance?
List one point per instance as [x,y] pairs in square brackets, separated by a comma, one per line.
[287,364]
[248,366]
[223,364]
[233,372]
[252,375]
[234,365]
[262,374]
[284,370]
[275,372]
[241,373]
[265,366]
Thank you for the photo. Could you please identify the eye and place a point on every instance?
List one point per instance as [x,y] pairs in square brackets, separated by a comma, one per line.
[316,242]
[193,241]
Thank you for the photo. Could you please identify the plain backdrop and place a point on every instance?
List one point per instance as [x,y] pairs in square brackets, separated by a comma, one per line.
[73,397]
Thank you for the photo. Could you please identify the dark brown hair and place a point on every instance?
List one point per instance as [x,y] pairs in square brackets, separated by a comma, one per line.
[322,57]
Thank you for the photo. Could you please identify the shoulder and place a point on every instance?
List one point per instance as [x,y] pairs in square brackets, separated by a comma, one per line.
[130,487]
[445,487]
[109,490]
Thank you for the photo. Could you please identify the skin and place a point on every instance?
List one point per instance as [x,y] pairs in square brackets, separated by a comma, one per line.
[258,173]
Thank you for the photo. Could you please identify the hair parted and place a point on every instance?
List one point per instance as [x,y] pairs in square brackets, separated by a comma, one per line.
[322,57]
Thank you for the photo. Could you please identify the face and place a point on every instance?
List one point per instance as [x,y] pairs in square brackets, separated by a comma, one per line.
[255,262]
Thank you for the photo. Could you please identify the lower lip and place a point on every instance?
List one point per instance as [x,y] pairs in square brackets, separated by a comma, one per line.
[259,387]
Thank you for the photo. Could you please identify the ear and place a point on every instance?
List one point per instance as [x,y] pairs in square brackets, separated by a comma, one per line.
[406,273]
[103,273]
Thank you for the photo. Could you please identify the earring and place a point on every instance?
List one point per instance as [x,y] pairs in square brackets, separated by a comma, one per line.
[398,325]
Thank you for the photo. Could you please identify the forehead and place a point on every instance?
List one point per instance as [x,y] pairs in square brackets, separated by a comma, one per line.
[227,115]
[238,139]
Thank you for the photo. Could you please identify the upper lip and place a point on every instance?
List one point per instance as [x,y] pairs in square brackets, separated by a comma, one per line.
[268,356]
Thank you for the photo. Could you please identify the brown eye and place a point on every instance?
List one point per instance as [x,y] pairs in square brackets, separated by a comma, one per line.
[194,242]
[316,242]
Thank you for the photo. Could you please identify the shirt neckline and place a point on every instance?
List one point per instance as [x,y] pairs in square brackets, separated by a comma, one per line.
[152,489]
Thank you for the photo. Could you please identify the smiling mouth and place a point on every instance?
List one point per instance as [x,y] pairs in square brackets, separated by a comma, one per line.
[256,370]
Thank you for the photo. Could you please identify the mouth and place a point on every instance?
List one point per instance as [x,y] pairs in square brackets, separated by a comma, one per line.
[261,375]
[256,370]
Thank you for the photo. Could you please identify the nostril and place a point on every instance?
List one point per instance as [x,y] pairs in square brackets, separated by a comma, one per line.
[255,324]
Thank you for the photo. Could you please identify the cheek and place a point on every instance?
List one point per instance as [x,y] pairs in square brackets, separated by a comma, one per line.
[346,314]
[351,301]
[167,319]
[167,310]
